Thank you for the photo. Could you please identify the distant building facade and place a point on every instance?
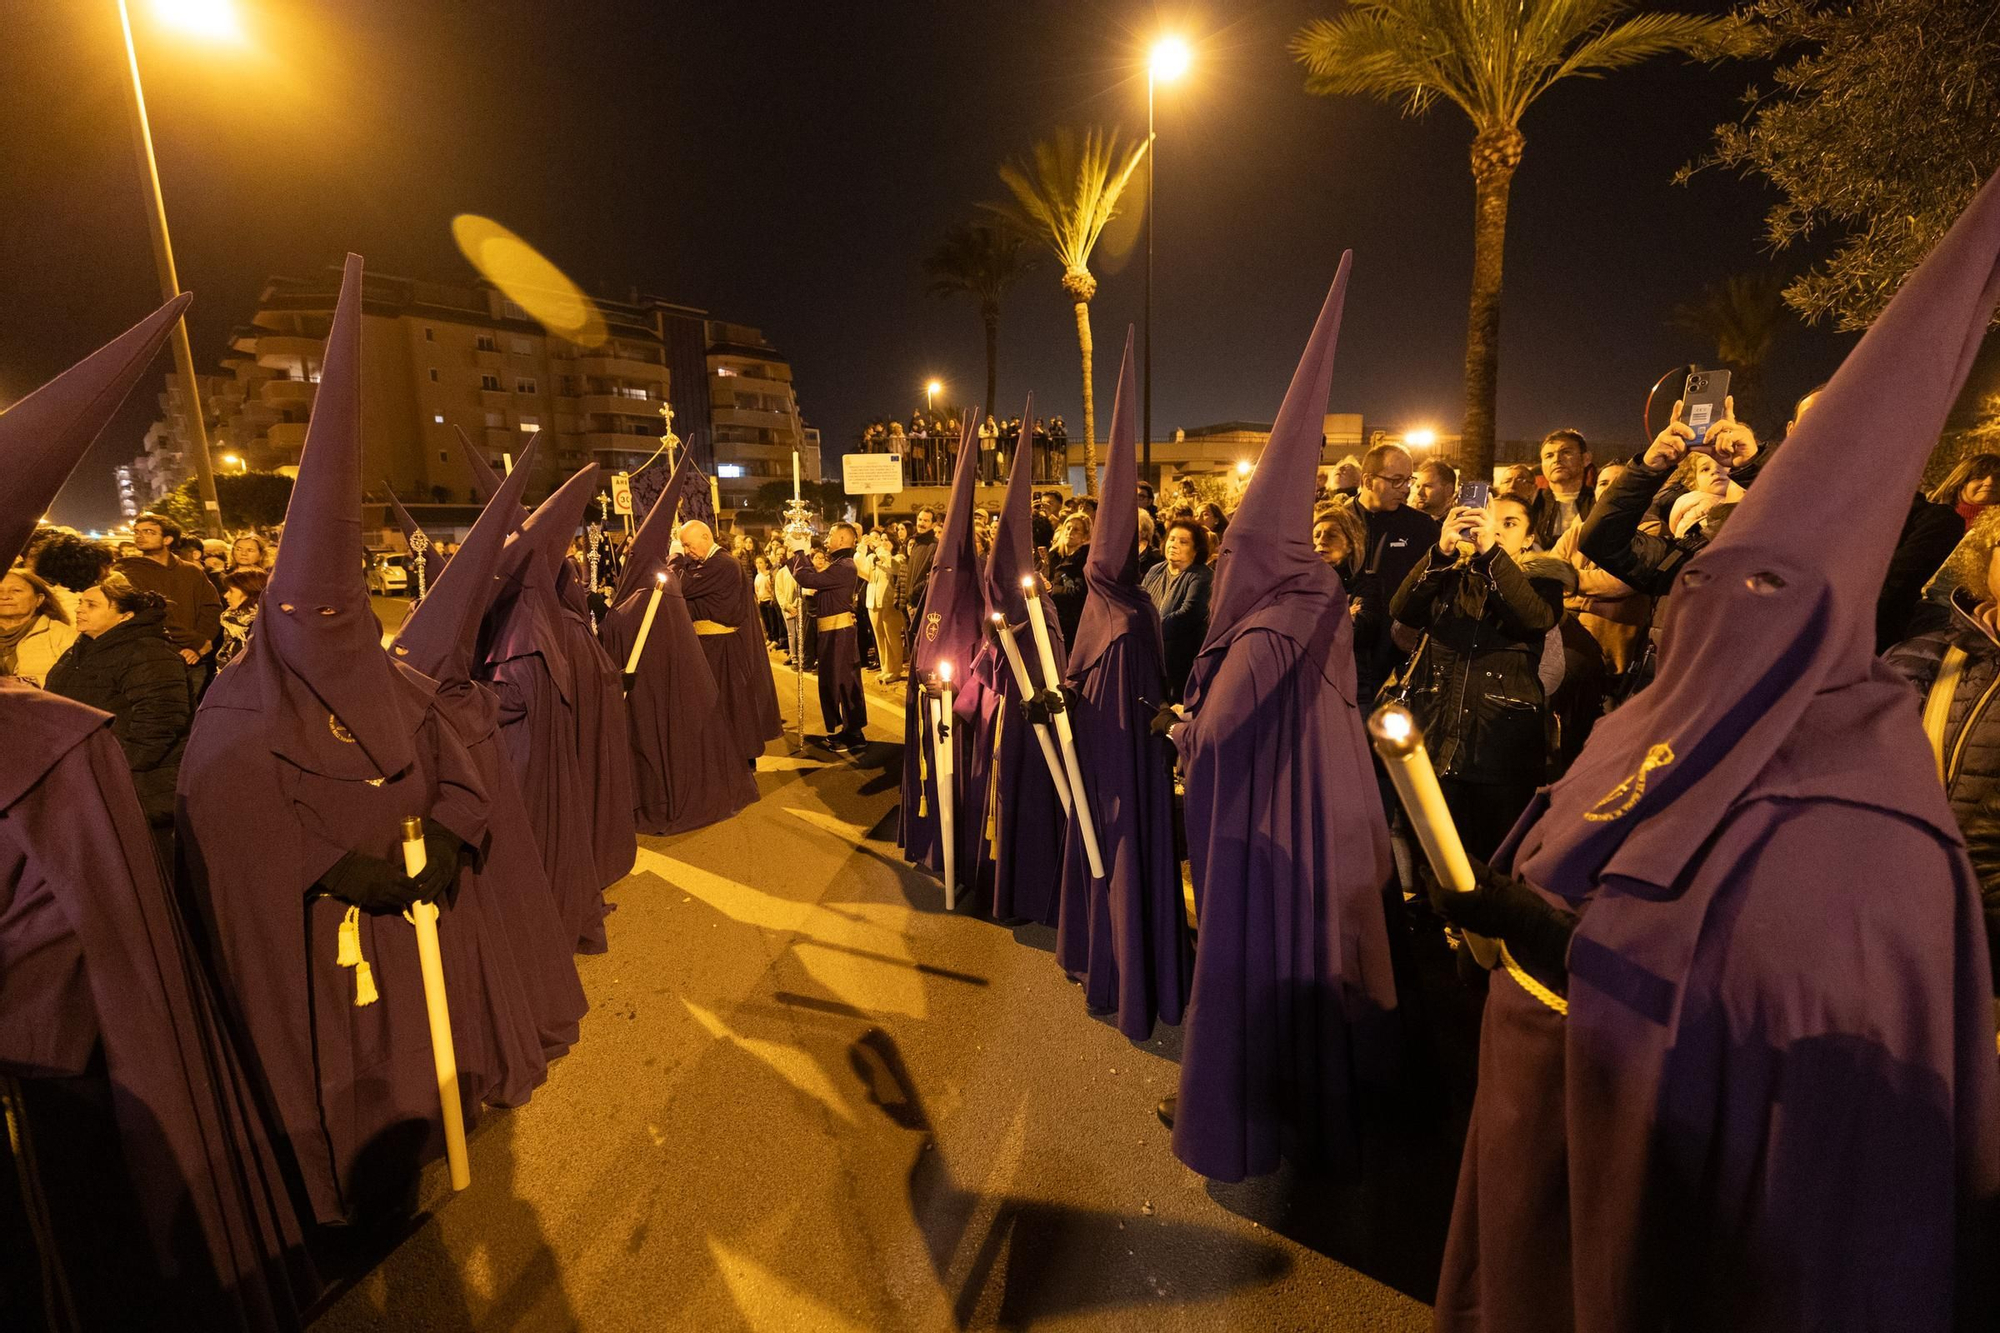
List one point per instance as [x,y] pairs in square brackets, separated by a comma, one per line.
[438,358]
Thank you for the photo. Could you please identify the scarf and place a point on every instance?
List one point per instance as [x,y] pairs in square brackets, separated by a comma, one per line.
[11,640]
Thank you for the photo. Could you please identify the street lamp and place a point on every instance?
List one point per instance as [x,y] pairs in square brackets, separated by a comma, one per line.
[1422,438]
[932,389]
[1169,60]
[216,21]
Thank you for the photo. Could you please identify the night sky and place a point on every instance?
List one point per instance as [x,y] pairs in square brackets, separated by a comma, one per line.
[787,165]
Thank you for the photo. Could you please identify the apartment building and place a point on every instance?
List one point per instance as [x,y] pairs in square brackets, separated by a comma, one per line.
[439,358]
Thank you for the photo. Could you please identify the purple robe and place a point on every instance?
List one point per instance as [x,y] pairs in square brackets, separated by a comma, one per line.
[93,955]
[724,610]
[842,701]
[1291,1016]
[604,758]
[1123,937]
[1771,1099]
[687,772]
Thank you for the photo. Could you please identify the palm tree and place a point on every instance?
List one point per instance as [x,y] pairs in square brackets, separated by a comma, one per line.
[1064,194]
[979,260]
[1743,314]
[1493,60]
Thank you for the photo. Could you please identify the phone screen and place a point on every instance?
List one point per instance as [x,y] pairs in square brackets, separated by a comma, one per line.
[1702,399]
[1475,494]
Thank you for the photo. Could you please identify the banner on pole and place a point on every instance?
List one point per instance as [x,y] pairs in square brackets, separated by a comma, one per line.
[871,474]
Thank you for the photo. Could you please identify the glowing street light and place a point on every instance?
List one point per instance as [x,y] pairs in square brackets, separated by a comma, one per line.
[1422,438]
[233,460]
[932,389]
[210,20]
[1168,61]
[1243,467]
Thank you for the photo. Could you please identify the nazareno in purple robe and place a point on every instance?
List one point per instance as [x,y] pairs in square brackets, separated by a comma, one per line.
[1770,1099]
[312,743]
[522,951]
[724,609]
[169,1195]
[1020,816]
[1123,937]
[951,631]
[1291,1018]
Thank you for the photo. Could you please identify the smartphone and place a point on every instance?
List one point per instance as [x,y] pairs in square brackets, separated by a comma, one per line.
[1475,494]
[1702,403]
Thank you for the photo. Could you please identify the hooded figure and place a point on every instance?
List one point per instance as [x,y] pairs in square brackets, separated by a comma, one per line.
[306,756]
[1291,1015]
[724,608]
[513,938]
[427,562]
[1124,937]
[525,655]
[685,767]
[106,1015]
[1013,797]
[949,632]
[1768,1098]
[604,758]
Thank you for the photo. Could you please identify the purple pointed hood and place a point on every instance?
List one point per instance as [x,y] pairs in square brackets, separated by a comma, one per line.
[432,561]
[484,479]
[1267,552]
[318,649]
[1013,553]
[954,607]
[438,637]
[1770,640]
[646,555]
[1115,598]
[552,527]
[43,436]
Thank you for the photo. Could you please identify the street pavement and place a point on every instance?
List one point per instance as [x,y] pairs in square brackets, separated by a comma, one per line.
[807,1098]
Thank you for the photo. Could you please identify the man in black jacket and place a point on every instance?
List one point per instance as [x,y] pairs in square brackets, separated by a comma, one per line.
[1398,536]
[194,609]
[917,568]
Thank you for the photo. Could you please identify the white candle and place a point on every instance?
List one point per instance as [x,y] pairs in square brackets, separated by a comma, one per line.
[1012,652]
[646,624]
[1044,649]
[715,496]
[795,475]
[430,964]
[1401,744]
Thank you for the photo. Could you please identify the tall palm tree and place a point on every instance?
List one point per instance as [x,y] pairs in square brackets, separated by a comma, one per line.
[1065,192]
[982,261]
[1743,314]
[1492,60]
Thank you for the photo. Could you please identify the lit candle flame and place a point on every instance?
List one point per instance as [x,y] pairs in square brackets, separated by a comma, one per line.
[944,672]
[1027,583]
[662,578]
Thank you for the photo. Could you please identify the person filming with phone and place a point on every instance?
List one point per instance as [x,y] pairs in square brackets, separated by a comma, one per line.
[1477,683]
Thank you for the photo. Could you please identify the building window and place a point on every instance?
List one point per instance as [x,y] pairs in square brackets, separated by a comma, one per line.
[727,470]
[496,420]
[484,342]
[724,372]
[525,386]
[438,417]
[529,425]
[513,310]
[490,383]
[630,391]
[522,347]
[568,386]
[443,457]
[434,375]
[430,334]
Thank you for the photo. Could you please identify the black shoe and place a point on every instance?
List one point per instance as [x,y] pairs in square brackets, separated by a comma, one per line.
[824,742]
[853,744]
[1165,1110]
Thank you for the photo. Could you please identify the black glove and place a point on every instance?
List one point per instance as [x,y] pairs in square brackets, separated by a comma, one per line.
[1165,721]
[1536,931]
[369,883]
[443,850]
[1036,706]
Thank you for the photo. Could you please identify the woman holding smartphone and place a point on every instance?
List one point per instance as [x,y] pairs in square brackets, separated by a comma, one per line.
[1478,689]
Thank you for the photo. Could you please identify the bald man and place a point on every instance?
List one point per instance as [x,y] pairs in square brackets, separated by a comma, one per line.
[841,698]
[724,611]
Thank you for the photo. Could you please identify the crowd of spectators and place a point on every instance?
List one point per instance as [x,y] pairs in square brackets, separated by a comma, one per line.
[929,446]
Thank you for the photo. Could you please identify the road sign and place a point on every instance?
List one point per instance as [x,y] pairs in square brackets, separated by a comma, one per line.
[621,493]
[871,474]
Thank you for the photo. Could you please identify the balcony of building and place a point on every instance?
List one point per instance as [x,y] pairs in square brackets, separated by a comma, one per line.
[620,367]
[495,398]
[287,351]
[286,438]
[640,447]
[488,358]
[284,393]
[619,405]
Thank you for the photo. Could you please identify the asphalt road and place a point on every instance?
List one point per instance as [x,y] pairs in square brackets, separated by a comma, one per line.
[807,1098]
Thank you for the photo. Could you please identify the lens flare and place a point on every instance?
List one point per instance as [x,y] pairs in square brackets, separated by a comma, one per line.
[529,280]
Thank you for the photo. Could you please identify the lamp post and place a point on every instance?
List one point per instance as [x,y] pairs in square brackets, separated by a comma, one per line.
[932,388]
[1169,60]
[213,19]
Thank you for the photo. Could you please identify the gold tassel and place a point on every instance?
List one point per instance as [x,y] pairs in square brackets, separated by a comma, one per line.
[923,773]
[993,790]
[350,938]
[364,985]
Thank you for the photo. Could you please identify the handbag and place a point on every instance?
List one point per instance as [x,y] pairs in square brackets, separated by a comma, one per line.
[1401,683]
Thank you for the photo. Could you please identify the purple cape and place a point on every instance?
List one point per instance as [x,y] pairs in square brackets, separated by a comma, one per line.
[93,953]
[950,630]
[1291,1014]
[1772,1101]
[1124,937]
[724,609]
[686,769]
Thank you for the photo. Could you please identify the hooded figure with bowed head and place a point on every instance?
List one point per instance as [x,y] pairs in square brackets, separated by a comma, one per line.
[1124,937]
[104,1001]
[1291,1021]
[306,757]
[1737,1069]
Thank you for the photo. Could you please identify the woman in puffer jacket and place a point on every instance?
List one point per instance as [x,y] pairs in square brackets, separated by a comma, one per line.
[123,664]
[1956,672]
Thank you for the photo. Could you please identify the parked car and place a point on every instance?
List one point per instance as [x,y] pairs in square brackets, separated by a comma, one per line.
[388,576]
